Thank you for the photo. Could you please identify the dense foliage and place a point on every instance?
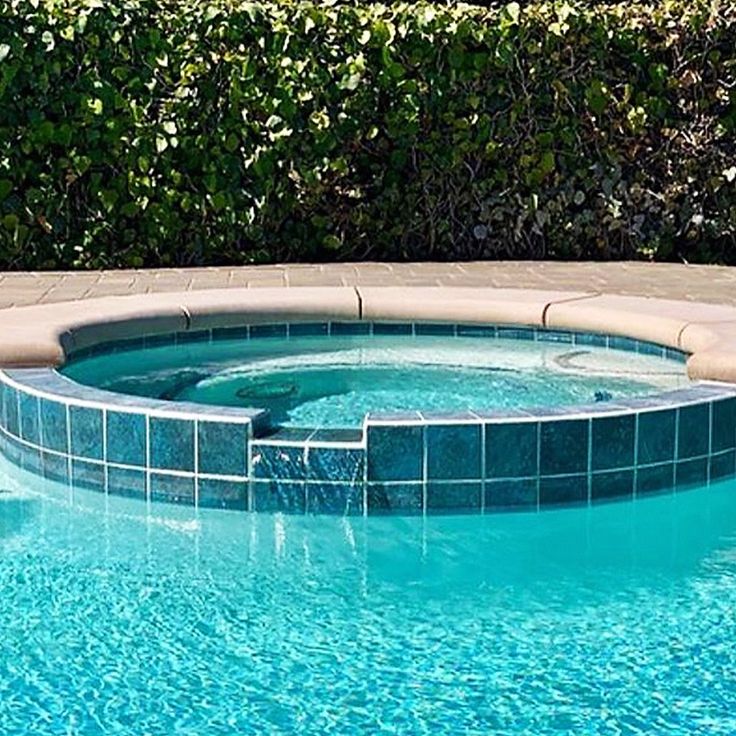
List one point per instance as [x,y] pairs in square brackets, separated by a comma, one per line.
[151,132]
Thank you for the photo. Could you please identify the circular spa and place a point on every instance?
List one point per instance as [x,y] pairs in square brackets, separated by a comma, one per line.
[334,375]
[372,418]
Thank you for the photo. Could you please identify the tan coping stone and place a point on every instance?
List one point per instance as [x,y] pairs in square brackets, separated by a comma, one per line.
[223,307]
[714,365]
[657,320]
[701,336]
[461,304]
[23,348]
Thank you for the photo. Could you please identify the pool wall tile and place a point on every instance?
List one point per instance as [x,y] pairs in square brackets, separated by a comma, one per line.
[723,428]
[171,443]
[86,432]
[453,497]
[611,484]
[177,489]
[693,431]
[12,421]
[655,479]
[126,438]
[350,328]
[275,495]
[511,494]
[564,447]
[223,494]
[87,475]
[222,448]
[567,490]
[126,482]
[335,463]
[722,465]
[29,419]
[308,329]
[613,441]
[268,330]
[344,499]
[691,472]
[395,452]
[54,430]
[454,452]
[511,450]
[279,462]
[55,467]
[656,436]
[392,328]
[387,498]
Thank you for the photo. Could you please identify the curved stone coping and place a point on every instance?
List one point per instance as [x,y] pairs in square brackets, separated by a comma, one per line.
[416,462]
[44,335]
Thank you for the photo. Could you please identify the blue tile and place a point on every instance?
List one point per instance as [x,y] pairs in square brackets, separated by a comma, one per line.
[278,330]
[563,447]
[157,341]
[554,336]
[693,431]
[223,448]
[274,495]
[223,494]
[454,497]
[511,494]
[656,436]
[186,338]
[439,329]
[350,328]
[55,467]
[476,331]
[53,426]
[590,338]
[454,451]
[392,328]
[724,425]
[29,424]
[336,434]
[86,432]
[172,443]
[126,438]
[395,498]
[622,343]
[172,489]
[395,452]
[279,462]
[516,333]
[90,476]
[566,490]
[613,441]
[722,465]
[238,332]
[12,450]
[511,450]
[30,459]
[655,479]
[125,482]
[691,473]
[335,463]
[612,484]
[335,498]
[12,420]
[308,329]
[676,355]
[650,348]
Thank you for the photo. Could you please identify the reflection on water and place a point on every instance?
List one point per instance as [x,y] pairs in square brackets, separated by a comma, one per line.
[126,618]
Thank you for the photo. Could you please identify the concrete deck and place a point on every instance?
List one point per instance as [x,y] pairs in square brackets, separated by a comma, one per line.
[692,308]
[711,284]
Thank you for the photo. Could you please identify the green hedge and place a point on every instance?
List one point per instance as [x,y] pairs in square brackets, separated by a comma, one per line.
[163,132]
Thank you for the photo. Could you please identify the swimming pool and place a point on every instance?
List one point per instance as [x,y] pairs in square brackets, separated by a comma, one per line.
[123,617]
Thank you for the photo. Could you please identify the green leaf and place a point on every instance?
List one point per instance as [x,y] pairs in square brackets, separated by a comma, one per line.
[6,186]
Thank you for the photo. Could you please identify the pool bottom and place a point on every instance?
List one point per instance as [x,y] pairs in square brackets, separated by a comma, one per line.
[131,618]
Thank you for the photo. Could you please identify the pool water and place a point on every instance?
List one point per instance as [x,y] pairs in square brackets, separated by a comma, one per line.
[332,381]
[118,617]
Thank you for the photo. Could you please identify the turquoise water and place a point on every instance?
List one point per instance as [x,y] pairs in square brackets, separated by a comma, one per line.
[118,618]
[334,381]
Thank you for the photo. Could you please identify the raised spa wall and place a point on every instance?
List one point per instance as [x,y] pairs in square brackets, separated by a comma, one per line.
[414,462]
